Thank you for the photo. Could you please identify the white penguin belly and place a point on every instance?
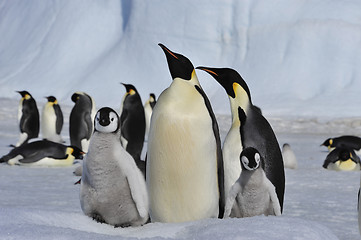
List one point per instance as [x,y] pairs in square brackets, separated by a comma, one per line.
[232,149]
[48,124]
[181,170]
[348,165]
[44,162]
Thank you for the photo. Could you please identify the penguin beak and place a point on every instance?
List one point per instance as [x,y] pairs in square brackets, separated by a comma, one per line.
[211,72]
[167,51]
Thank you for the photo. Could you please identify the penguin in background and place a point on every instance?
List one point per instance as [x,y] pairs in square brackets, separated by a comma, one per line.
[81,120]
[342,159]
[132,123]
[249,129]
[184,158]
[289,157]
[359,208]
[113,189]
[43,153]
[252,194]
[52,120]
[148,109]
[347,141]
[28,117]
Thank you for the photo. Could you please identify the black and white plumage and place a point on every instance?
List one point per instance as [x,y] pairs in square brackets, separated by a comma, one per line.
[184,158]
[52,120]
[148,109]
[249,129]
[81,120]
[347,141]
[342,159]
[252,194]
[132,124]
[113,189]
[43,153]
[28,117]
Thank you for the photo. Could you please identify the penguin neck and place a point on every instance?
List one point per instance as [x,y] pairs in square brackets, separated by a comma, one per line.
[185,88]
[244,103]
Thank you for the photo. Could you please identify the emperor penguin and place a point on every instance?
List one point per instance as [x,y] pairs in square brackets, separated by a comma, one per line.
[43,153]
[252,194]
[184,158]
[148,109]
[81,120]
[52,120]
[347,141]
[359,209]
[289,157]
[113,189]
[342,159]
[28,117]
[249,129]
[132,124]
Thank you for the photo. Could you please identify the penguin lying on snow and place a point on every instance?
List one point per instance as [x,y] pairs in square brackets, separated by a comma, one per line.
[28,117]
[352,142]
[249,129]
[184,159]
[113,189]
[342,159]
[252,194]
[43,153]
[52,120]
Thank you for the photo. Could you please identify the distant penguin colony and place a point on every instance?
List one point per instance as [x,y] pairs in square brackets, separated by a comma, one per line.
[28,117]
[132,124]
[252,194]
[113,189]
[81,120]
[52,120]
[250,129]
[184,161]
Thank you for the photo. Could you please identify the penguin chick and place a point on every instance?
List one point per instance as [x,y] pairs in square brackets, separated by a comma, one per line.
[289,157]
[347,141]
[113,189]
[132,124]
[28,117]
[148,109]
[252,194]
[43,153]
[342,159]
[52,120]
[81,120]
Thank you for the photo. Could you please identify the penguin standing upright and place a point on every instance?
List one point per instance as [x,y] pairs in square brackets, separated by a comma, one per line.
[184,158]
[43,153]
[81,120]
[252,193]
[132,124]
[250,129]
[52,120]
[289,157]
[113,189]
[28,117]
[148,109]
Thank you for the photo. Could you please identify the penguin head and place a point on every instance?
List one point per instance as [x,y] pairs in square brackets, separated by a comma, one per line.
[152,97]
[75,152]
[106,120]
[52,99]
[78,95]
[131,90]
[179,66]
[345,155]
[327,143]
[250,159]
[25,94]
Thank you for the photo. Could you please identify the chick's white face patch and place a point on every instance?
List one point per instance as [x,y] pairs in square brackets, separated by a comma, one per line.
[106,124]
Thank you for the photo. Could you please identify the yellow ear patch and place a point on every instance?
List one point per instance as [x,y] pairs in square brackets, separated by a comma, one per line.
[330,142]
[131,92]
[27,96]
[69,150]
[56,102]
[235,87]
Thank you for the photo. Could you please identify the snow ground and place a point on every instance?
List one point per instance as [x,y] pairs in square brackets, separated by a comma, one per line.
[43,203]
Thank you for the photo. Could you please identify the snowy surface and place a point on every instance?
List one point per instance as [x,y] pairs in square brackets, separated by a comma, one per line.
[43,203]
[301,60]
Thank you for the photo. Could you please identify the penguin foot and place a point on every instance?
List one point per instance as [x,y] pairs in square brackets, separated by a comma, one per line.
[123,225]
[98,218]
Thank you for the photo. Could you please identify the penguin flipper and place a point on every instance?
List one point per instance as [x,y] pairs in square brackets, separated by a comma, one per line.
[275,204]
[59,120]
[330,158]
[233,192]
[220,166]
[139,194]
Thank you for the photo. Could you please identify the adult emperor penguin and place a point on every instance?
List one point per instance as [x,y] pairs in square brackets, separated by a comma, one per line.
[43,153]
[52,120]
[289,157]
[342,159]
[132,124]
[28,117]
[184,159]
[148,109]
[249,129]
[359,209]
[81,120]
[347,141]
[252,193]
[113,189]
